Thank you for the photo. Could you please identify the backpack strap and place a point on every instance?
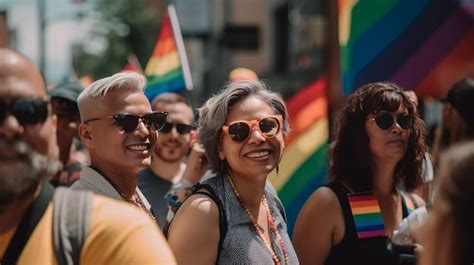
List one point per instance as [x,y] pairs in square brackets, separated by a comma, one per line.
[207,190]
[71,217]
[27,224]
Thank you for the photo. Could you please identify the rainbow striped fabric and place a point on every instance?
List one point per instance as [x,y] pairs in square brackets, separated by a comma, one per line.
[304,164]
[367,216]
[422,45]
[163,71]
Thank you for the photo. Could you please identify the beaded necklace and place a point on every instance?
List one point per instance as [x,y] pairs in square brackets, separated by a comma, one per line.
[257,228]
[135,199]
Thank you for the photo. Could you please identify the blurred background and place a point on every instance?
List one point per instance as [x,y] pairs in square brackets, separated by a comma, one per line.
[285,42]
[314,52]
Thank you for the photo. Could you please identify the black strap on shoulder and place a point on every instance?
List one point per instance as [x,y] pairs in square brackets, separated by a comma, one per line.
[207,190]
[341,193]
[28,223]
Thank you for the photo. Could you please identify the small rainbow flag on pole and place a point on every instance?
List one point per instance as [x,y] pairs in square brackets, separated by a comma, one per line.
[367,216]
[168,68]
[422,45]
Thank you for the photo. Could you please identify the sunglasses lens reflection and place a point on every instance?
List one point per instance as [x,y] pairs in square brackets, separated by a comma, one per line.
[385,121]
[404,121]
[239,131]
[129,122]
[183,128]
[30,111]
[159,120]
[269,126]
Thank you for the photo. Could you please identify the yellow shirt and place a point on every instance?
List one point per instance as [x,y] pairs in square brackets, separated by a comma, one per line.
[118,234]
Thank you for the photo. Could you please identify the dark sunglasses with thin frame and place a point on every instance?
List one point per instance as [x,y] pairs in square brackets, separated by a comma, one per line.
[181,128]
[240,130]
[385,120]
[129,122]
[26,111]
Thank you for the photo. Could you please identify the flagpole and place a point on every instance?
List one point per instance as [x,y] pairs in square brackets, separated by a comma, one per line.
[180,46]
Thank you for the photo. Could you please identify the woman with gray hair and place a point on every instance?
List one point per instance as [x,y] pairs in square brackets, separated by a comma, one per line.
[235,216]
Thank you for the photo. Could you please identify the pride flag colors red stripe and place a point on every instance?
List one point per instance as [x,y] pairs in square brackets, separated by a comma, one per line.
[367,216]
[304,164]
[422,45]
[168,69]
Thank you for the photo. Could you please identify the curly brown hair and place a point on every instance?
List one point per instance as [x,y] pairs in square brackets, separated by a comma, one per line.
[349,152]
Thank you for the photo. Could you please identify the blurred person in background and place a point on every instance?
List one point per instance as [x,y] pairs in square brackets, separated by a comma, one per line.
[119,129]
[116,233]
[447,236]
[177,162]
[376,155]
[64,104]
[424,190]
[236,217]
[457,125]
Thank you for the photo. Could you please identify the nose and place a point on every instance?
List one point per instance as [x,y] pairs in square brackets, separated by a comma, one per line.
[396,128]
[174,131]
[10,128]
[256,137]
[141,130]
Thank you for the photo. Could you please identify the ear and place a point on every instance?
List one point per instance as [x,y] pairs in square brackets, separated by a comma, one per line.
[85,134]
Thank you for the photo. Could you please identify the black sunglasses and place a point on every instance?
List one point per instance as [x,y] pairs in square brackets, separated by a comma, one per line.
[129,122]
[181,128]
[385,120]
[239,131]
[26,111]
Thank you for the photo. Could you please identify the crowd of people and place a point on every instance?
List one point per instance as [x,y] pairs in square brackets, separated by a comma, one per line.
[101,175]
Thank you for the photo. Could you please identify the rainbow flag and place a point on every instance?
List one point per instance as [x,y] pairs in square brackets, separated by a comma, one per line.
[422,45]
[367,217]
[304,164]
[168,69]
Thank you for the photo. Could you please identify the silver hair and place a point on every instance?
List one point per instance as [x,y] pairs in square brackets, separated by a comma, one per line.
[213,115]
[124,80]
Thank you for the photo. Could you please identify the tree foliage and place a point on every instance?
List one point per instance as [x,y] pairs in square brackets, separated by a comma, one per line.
[126,27]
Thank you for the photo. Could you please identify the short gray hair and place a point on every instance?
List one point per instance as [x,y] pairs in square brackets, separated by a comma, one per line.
[213,115]
[124,80]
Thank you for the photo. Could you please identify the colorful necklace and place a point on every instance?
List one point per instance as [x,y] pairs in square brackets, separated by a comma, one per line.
[257,228]
[135,199]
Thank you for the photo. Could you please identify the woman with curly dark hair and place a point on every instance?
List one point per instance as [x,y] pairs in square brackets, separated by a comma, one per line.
[376,154]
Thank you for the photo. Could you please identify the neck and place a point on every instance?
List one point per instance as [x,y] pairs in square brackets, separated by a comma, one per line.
[170,171]
[383,174]
[251,191]
[125,182]
[11,215]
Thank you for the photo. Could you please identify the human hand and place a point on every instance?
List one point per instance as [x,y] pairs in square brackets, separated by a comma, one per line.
[196,165]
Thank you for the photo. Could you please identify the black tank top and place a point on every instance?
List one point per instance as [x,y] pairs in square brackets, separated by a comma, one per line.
[351,249]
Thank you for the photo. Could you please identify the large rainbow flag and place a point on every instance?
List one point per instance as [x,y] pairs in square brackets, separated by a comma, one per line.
[422,45]
[168,69]
[304,164]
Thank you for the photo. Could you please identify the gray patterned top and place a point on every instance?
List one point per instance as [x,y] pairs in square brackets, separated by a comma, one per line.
[241,244]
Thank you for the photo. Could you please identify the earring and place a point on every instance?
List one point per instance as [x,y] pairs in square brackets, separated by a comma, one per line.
[277,170]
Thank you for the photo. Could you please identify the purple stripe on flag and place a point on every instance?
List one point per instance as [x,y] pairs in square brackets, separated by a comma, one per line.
[433,50]
[371,233]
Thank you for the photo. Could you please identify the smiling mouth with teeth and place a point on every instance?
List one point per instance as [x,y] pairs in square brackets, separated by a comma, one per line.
[258,154]
[141,147]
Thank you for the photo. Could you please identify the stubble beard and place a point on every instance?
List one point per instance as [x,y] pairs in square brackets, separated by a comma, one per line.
[21,178]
